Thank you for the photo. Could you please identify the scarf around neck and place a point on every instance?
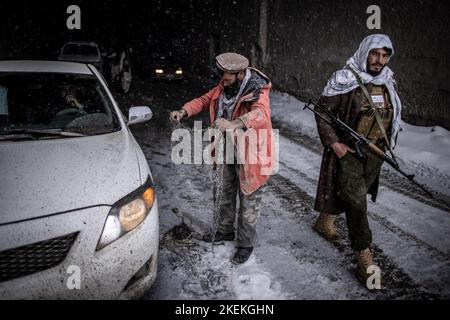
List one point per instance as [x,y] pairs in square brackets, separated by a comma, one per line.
[227,105]
[343,81]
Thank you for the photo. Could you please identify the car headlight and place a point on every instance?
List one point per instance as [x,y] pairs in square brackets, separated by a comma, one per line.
[179,71]
[159,71]
[127,213]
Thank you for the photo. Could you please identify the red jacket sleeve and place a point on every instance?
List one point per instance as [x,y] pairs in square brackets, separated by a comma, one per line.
[199,104]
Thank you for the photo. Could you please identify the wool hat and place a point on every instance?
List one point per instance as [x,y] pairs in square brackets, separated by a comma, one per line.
[231,62]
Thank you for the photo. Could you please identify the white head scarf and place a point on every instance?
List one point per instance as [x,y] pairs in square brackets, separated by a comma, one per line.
[343,81]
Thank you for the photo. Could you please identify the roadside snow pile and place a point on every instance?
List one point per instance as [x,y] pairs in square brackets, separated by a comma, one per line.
[427,145]
[423,146]
[289,111]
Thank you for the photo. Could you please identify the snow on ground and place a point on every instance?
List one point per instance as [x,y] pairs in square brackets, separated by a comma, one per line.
[290,260]
[289,111]
[426,145]
[413,235]
[203,275]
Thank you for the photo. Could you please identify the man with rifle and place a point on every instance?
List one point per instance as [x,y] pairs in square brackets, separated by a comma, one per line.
[363,96]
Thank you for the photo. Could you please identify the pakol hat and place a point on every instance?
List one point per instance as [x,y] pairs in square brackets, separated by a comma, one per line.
[231,62]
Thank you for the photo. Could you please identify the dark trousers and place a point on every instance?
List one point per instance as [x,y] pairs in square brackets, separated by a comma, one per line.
[353,181]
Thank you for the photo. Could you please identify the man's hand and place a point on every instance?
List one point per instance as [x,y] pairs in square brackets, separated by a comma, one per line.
[70,99]
[176,116]
[223,124]
[341,149]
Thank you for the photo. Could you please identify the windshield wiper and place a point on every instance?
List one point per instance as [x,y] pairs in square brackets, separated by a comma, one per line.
[32,133]
[19,136]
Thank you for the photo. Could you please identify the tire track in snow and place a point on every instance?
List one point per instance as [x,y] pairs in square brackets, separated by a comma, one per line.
[400,284]
[434,252]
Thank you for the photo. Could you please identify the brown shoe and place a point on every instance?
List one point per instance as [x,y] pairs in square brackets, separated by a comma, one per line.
[364,266]
[326,228]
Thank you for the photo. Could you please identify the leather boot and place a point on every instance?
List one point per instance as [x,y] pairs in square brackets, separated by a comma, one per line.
[326,228]
[364,259]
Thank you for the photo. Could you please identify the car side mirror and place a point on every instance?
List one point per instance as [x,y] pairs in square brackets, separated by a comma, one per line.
[139,115]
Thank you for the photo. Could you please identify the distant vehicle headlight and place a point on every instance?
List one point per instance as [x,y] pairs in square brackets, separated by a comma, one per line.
[127,214]
[179,71]
[159,71]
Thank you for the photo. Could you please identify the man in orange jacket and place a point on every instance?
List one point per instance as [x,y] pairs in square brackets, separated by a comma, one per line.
[239,103]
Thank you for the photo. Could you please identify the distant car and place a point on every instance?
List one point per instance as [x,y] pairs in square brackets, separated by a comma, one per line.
[78,210]
[165,67]
[84,52]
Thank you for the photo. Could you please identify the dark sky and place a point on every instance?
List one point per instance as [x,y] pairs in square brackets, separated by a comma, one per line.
[37,29]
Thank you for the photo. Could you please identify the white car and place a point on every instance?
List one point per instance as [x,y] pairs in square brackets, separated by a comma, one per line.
[78,211]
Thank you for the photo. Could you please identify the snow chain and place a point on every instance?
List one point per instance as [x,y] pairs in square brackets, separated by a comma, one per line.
[218,183]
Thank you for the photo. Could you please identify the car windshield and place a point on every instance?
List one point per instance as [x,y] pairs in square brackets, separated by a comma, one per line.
[80,49]
[72,104]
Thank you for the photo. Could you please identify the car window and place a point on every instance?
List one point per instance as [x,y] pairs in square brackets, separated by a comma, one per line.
[80,49]
[67,102]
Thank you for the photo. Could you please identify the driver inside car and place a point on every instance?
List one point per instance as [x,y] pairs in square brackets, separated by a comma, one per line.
[67,105]
[68,93]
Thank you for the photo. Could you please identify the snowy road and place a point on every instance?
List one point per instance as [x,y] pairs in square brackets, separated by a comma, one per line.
[290,261]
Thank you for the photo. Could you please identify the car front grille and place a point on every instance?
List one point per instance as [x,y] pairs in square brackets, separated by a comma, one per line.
[32,258]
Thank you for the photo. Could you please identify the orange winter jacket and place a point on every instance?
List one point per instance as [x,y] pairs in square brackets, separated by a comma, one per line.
[253,109]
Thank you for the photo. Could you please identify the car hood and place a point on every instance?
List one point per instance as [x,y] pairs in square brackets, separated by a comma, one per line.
[44,177]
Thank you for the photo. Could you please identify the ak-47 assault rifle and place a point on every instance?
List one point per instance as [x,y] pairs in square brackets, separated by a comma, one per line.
[360,141]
